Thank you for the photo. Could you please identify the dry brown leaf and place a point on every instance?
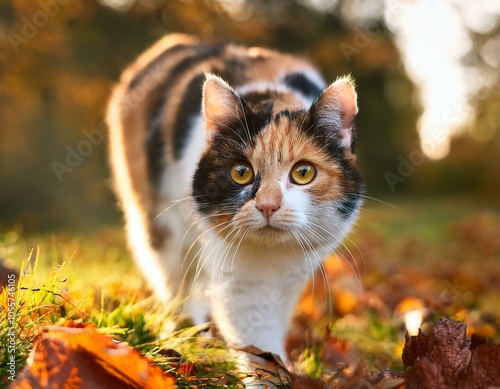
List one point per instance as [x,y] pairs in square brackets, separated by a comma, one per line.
[336,351]
[444,359]
[262,366]
[386,379]
[270,369]
[484,368]
[77,356]
[306,382]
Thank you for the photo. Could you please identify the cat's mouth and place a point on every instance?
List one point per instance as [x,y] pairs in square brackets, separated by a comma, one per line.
[271,228]
[274,225]
[272,232]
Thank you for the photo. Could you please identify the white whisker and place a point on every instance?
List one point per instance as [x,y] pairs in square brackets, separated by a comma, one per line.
[174,203]
[333,247]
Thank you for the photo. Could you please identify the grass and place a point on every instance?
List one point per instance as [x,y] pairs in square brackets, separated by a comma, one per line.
[108,293]
[446,255]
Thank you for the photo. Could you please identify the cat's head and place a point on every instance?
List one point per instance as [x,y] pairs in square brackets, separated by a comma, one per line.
[275,172]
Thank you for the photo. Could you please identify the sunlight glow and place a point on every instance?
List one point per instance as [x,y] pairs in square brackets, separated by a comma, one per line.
[412,311]
[321,5]
[118,5]
[432,41]
[238,9]
[413,320]
[433,38]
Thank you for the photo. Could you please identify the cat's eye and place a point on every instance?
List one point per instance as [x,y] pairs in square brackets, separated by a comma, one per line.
[242,173]
[302,173]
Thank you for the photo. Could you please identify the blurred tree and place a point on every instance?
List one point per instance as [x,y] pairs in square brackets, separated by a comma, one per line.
[59,60]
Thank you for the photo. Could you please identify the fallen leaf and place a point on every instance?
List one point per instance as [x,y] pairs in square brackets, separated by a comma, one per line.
[346,302]
[444,359]
[262,367]
[484,368]
[305,382]
[336,350]
[77,356]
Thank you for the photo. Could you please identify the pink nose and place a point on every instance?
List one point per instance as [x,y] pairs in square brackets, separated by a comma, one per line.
[267,208]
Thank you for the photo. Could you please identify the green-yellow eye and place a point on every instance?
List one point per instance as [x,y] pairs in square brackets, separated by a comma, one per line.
[302,173]
[242,173]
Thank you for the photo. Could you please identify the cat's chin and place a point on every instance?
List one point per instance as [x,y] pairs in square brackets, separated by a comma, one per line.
[270,237]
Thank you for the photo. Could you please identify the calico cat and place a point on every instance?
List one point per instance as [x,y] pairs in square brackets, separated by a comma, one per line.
[236,172]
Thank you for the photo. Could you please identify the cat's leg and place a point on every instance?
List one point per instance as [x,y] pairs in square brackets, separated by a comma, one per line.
[145,243]
[251,312]
[197,302]
[155,241]
[252,304]
[254,295]
[179,254]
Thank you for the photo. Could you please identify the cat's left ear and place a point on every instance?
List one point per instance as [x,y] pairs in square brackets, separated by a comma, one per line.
[220,104]
[336,109]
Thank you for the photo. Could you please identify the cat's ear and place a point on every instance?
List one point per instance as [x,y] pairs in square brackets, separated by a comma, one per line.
[220,103]
[336,109]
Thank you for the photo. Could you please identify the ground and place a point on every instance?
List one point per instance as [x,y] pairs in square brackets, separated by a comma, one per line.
[433,258]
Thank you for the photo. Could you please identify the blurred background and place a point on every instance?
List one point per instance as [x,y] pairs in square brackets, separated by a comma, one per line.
[427,73]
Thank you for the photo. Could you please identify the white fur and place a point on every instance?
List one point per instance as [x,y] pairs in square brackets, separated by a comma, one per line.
[175,213]
[136,224]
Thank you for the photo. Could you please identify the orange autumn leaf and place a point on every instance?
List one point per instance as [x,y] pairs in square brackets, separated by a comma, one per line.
[77,356]
[346,302]
[310,307]
[484,330]
[337,266]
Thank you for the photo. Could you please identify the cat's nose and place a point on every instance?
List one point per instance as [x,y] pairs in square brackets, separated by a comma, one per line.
[268,207]
[268,199]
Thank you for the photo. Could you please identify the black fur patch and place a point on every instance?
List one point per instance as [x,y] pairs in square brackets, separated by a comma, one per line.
[155,145]
[303,85]
[349,204]
[155,140]
[258,116]
[213,189]
[151,65]
[289,115]
[189,108]
[260,97]
[280,115]
[235,69]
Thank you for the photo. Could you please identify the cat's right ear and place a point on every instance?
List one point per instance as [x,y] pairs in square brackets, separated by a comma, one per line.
[221,104]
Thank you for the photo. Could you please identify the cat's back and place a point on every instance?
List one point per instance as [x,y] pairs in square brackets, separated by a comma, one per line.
[169,76]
